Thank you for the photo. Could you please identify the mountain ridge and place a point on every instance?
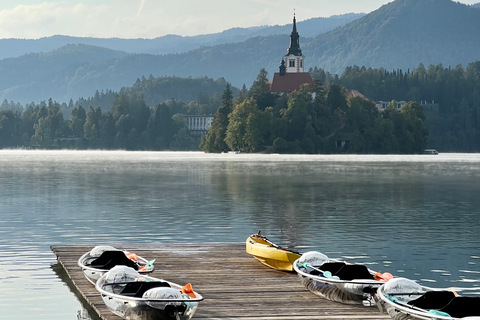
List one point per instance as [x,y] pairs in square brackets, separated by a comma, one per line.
[171,44]
[399,35]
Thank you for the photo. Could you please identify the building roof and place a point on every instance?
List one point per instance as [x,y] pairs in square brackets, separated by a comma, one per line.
[290,81]
[356,94]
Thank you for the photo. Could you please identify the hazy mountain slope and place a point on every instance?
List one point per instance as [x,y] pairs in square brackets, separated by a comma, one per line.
[68,72]
[172,43]
[402,34]
[65,73]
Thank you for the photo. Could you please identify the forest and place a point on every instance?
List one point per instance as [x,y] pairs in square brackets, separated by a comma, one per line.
[313,120]
[318,119]
[140,117]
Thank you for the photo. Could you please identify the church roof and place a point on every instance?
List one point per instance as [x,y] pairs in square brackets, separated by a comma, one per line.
[290,81]
[355,94]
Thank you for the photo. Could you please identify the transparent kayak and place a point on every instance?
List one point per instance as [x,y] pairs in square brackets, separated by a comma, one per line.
[338,281]
[100,259]
[133,296]
[404,299]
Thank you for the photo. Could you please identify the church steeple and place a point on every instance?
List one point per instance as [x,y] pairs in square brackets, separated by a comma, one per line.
[294,48]
[291,75]
[294,57]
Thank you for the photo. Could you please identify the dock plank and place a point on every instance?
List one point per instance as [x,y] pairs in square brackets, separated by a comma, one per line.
[233,283]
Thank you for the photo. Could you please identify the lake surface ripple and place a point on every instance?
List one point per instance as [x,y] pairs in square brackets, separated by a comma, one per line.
[413,216]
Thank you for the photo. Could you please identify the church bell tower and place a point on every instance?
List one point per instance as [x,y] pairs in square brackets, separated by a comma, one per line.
[294,58]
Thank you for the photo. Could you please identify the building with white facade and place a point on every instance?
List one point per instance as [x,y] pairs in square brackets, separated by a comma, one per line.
[198,124]
[382,105]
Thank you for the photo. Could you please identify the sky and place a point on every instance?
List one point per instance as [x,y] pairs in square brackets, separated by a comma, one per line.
[33,19]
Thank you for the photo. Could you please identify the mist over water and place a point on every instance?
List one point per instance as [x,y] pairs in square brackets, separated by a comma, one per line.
[413,216]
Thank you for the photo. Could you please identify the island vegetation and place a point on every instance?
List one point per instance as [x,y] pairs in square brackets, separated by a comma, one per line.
[317,119]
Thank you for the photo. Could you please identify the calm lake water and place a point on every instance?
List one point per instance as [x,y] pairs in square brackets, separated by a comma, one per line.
[413,216]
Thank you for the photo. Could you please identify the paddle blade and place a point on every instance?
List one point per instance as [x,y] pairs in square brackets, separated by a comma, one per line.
[150,263]
[187,289]
[383,277]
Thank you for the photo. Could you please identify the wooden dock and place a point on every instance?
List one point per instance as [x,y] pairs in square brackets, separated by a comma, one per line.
[233,283]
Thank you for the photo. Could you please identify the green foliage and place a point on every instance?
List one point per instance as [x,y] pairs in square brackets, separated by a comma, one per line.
[9,129]
[243,131]
[214,141]
[260,91]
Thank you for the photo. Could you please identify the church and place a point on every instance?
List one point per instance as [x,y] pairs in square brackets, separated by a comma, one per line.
[291,74]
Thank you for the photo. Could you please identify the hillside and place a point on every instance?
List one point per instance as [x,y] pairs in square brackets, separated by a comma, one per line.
[77,71]
[63,74]
[401,34]
[173,43]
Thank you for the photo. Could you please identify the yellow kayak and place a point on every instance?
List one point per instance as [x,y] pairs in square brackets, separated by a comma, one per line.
[270,254]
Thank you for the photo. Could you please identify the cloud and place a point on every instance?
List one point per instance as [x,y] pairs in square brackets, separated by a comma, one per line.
[47,18]
[150,19]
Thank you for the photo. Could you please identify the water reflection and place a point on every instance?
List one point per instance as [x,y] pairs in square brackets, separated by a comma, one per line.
[415,216]
[86,312]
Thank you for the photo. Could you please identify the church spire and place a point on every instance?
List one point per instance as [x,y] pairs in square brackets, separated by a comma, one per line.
[294,48]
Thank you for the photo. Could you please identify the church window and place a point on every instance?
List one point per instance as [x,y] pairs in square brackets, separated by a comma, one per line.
[301,63]
[291,63]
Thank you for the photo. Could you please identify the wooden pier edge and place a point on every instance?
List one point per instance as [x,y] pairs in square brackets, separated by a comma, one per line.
[233,283]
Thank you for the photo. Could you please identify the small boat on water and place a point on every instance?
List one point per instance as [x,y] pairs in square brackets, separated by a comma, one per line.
[133,296]
[100,259]
[270,254]
[430,151]
[338,281]
[404,299]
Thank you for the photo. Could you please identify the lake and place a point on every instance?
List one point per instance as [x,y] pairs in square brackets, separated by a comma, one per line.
[414,216]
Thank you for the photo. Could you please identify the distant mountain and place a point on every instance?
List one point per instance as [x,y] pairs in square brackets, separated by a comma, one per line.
[69,72]
[476,5]
[172,43]
[401,34]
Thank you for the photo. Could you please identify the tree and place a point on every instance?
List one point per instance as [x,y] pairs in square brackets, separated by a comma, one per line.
[415,118]
[161,127]
[79,116]
[50,124]
[260,91]
[9,125]
[214,141]
[243,131]
[299,114]
[337,102]
[92,125]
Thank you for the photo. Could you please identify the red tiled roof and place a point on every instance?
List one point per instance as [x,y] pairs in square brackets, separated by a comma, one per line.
[290,81]
[356,94]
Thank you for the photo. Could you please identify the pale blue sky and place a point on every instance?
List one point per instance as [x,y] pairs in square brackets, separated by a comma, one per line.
[154,18]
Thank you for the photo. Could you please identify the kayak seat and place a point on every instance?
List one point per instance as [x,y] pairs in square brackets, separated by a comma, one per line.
[333,267]
[173,310]
[110,259]
[433,300]
[461,307]
[353,271]
[137,289]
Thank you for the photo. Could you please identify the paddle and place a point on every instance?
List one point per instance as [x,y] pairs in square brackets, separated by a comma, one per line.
[273,244]
[406,294]
[147,266]
[326,274]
